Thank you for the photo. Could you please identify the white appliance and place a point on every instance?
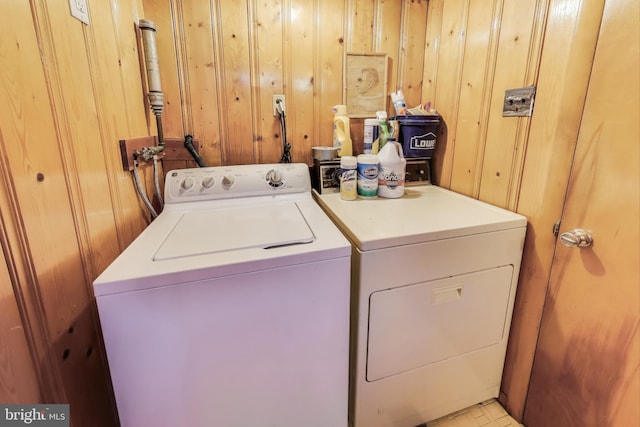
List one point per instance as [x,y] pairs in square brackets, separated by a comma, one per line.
[231,309]
[433,285]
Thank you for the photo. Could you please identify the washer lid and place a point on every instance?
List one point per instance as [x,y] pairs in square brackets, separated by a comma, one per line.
[235,228]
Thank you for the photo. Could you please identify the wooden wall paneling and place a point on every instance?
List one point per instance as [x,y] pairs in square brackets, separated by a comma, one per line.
[79,135]
[169,58]
[273,59]
[166,14]
[414,22]
[128,111]
[236,92]
[486,96]
[65,272]
[430,79]
[445,99]
[183,76]
[431,51]
[12,231]
[515,52]
[254,105]
[18,378]
[301,52]
[530,79]
[202,68]
[180,41]
[38,178]
[44,242]
[390,28]
[479,62]
[23,279]
[570,40]
[329,36]
[104,62]
[360,25]
[120,112]
[135,118]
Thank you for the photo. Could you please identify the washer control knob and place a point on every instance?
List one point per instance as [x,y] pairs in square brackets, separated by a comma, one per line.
[187,183]
[227,181]
[275,178]
[208,181]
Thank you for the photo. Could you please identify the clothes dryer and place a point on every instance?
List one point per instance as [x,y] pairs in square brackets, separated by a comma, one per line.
[434,277]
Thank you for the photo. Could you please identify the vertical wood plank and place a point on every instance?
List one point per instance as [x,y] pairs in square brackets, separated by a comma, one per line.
[530,78]
[167,37]
[51,233]
[202,67]
[115,114]
[390,26]
[301,58]
[329,34]
[360,25]
[237,82]
[272,32]
[514,48]
[77,120]
[18,380]
[127,112]
[445,98]
[476,83]
[431,52]
[120,110]
[414,22]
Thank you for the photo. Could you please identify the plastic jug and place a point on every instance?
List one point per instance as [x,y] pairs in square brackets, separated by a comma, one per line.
[392,170]
[341,131]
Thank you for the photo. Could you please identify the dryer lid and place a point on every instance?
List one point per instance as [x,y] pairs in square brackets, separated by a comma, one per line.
[235,228]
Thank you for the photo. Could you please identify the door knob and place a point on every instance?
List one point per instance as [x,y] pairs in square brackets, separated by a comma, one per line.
[578,237]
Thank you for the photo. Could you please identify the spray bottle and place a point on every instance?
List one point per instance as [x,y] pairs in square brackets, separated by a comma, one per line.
[383,132]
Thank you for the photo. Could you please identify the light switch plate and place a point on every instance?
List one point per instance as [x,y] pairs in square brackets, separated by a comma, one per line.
[518,102]
[80,10]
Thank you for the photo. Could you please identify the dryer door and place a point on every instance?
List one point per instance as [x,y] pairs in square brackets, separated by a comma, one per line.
[420,324]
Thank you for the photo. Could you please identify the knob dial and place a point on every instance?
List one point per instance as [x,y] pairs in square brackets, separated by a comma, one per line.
[208,181]
[187,183]
[275,178]
[227,181]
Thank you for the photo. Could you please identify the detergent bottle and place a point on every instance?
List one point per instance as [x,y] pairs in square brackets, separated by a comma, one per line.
[392,170]
[341,131]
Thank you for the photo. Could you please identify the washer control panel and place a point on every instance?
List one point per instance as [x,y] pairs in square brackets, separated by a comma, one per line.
[222,182]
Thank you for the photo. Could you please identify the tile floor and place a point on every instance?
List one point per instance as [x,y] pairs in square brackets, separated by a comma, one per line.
[486,414]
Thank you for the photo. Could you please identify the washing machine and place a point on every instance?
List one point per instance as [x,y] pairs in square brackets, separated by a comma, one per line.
[434,277]
[232,307]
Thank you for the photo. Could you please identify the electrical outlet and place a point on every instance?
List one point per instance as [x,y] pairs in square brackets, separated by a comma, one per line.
[80,10]
[277,98]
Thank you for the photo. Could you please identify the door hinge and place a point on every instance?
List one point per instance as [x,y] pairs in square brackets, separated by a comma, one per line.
[556,228]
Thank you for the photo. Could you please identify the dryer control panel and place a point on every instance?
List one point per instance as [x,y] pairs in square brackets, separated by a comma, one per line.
[225,182]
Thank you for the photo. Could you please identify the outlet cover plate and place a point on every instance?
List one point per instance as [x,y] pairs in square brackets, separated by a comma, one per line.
[80,10]
[518,102]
